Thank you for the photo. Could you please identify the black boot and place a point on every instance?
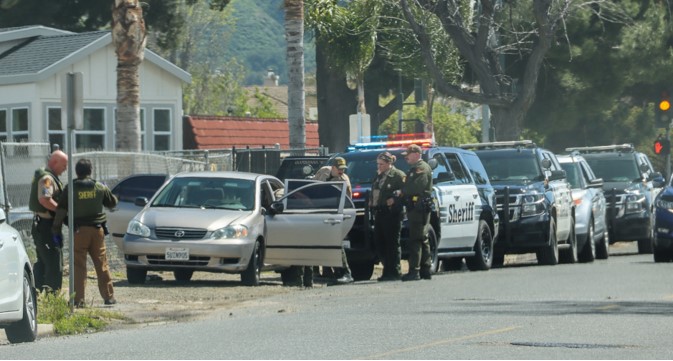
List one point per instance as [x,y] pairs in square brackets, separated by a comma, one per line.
[426,274]
[411,276]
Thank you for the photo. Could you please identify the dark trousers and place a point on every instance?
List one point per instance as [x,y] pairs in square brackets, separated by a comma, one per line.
[419,247]
[387,226]
[49,266]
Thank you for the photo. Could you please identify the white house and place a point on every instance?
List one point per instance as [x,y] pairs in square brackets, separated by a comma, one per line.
[33,63]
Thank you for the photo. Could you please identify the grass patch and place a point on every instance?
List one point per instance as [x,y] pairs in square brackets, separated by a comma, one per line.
[55,309]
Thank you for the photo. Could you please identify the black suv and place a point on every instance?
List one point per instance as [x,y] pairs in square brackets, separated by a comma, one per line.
[464,224]
[534,201]
[630,184]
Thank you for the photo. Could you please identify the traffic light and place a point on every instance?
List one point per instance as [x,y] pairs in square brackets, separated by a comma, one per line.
[662,110]
[662,146]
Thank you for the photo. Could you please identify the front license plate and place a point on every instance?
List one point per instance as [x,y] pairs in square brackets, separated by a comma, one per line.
[177,254]
[346,243]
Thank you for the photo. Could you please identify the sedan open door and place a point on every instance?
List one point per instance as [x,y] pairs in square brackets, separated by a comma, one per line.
[307,226]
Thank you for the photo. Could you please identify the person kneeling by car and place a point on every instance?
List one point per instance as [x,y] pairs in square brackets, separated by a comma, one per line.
[89,198]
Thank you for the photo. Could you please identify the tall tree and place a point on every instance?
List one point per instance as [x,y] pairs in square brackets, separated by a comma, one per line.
[129,38]
[296,97]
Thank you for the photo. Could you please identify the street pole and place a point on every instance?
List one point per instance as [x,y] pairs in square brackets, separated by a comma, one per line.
[400,96]
[70,78]
[668,156]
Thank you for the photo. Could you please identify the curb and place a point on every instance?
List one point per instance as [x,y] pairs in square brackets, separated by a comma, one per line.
[45,330]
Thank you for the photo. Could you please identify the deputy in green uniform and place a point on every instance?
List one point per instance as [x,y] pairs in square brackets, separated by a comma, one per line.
[416,192]
[386,206]
[89,198]
[44,194]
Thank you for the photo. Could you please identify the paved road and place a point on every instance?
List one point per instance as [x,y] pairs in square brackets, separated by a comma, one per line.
[621,308]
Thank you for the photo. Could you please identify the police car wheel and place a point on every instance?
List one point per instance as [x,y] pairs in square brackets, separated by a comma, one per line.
[548,254]
[603,247]
[434,250]
[483,248]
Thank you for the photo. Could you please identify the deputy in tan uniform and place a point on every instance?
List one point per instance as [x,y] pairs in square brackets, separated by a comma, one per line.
[89,198]
[336,171]
[44,193]
[386,206]
[417,193]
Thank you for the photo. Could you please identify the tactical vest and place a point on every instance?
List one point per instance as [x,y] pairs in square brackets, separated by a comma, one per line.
[88,201]
[34,202]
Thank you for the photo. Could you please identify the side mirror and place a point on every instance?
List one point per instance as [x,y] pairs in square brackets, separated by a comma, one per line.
[546,163]
[141,201]
[433,163]
[644,167]
[444,177]
[276,208]
[596,183]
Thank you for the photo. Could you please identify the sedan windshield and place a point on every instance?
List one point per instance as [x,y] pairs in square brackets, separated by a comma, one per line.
[511,165]
[207,192]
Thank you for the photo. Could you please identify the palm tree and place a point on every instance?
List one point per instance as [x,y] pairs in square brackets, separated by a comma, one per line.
[296,98]
[128,37]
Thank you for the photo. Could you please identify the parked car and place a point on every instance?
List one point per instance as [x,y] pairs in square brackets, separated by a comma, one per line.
[18,306]
[663,225]
[236,222]
[534,201]
[127,191]
[590,224]
[464,224]
[631,184]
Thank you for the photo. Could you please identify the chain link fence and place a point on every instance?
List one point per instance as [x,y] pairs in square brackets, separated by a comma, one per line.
[20,160]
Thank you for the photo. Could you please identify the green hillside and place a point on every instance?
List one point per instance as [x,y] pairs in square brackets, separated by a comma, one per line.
[258,40]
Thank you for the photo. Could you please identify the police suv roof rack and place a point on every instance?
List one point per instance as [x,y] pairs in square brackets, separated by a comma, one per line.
[625,148]
[505,144]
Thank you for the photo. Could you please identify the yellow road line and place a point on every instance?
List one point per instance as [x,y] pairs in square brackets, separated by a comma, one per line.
[439,342]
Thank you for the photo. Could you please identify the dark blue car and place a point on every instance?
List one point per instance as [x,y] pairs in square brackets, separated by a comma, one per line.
[663,225]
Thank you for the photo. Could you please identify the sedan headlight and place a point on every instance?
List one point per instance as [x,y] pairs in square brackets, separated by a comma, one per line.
[633,203]
[664,204]
[231,232]
[138,229]
[532,204]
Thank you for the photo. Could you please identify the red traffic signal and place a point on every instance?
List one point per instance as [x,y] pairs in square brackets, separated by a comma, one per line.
[662,146]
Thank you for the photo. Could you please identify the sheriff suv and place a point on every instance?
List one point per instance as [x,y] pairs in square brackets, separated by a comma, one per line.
[534,201]
[631,184]
[464,223]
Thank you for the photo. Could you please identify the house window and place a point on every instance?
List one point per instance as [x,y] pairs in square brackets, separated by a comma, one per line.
[14,125]
[92,134]
[143,140]
[55,130]
[162,129]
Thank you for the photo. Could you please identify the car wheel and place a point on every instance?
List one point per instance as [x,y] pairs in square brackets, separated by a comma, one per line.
[498,259]
[644,246]
[434,250]
[25,330]
[661,254]
[183,275]
[361,271]
[603,249]
[452,264]
[136,276]
[252,274]
[569,255]
[548,255]
[588,253]
[483,250]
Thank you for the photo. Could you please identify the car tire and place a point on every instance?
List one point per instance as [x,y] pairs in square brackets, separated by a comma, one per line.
[603,248]
[252,274]
[361,271]
[548,255]
[25,330]
[183,275]
[483,250]
[588,253]
[434,250]
[662,254]
[136,276]
[644,246]
[569,255]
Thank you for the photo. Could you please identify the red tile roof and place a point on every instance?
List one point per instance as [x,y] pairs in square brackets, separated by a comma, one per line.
[219,132]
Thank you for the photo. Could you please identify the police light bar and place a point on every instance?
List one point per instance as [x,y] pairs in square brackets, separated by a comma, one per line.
[395,141]
[505,144]
[626,147]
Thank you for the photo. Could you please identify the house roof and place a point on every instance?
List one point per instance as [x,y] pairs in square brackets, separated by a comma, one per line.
[47,51]
[213,132]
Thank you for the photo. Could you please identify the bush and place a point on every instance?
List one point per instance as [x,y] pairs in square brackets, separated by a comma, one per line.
[54,309]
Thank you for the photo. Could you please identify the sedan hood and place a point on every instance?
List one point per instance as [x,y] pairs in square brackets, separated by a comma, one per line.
[621,187]
[210,219]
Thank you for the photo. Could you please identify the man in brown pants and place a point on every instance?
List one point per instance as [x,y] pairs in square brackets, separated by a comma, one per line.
[89,198]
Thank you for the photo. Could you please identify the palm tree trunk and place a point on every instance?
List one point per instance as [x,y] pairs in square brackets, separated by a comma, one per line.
[296,98]
[128,37]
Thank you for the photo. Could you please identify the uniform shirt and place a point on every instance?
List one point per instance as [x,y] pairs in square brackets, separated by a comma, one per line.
[324,174]
[48,186]
[419,180]
[385,185]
